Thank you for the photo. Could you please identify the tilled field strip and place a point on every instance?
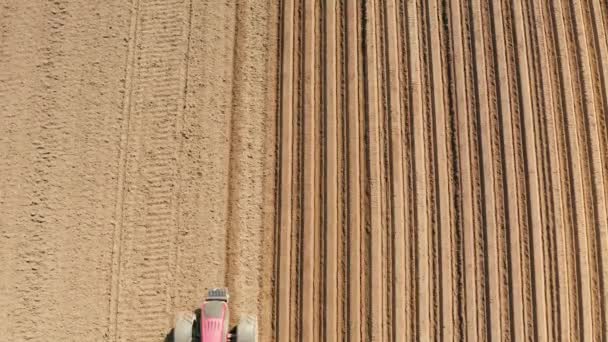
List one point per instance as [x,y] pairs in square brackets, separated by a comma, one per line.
[190,197]
[441,171]
[148,207]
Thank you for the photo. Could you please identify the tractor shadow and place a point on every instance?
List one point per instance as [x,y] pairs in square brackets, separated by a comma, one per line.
[169,337]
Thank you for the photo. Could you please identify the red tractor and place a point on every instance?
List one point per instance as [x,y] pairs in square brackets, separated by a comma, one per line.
[211,323]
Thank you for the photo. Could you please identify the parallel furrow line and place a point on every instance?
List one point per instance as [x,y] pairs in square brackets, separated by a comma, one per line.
[353,175]
[592,107]
[601,42]
[486,124]
[331,176]
[466,205]
[397,174]
[375,174]
[576,186]
[442,186]
[309,188]
[536,226]
[510,180]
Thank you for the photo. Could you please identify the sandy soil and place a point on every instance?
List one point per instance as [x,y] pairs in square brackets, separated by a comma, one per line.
[352,171]
[134,139]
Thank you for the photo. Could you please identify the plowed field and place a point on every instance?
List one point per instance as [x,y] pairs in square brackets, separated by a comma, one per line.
[375,170]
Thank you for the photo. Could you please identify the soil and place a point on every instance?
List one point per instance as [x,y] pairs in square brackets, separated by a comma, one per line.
[384,170]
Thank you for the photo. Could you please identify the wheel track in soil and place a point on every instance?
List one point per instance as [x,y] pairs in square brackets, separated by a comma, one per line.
[148,209]
[193,168]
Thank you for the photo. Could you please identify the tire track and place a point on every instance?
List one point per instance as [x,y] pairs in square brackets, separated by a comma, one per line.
[118,236]
[150,211]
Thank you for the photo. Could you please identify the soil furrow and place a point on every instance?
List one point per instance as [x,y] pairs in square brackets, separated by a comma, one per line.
[532,174]
[510,180]
[592,105]
[373,113]
[285,172]
[465,207]
[543,161]
[420,278]
[442,188]
[309,186]
[397,201]
[486,123]
[330,301]
[577,187]
[353,174]
[601,43]
[568,294]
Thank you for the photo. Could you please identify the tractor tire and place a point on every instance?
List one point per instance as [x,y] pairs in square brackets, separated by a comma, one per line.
[183,327]
[247,330]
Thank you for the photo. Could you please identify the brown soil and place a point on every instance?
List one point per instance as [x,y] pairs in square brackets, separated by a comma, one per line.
[384,170]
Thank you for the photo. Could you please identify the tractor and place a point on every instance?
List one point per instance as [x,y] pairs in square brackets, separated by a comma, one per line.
[212,322]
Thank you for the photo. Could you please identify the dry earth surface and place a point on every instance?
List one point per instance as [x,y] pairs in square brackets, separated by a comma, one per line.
[375,170]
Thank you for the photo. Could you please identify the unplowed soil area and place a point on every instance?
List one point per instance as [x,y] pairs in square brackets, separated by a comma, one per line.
[375,170]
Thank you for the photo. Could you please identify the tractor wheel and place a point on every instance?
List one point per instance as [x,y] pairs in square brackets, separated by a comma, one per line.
[183,327]
[247,330]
